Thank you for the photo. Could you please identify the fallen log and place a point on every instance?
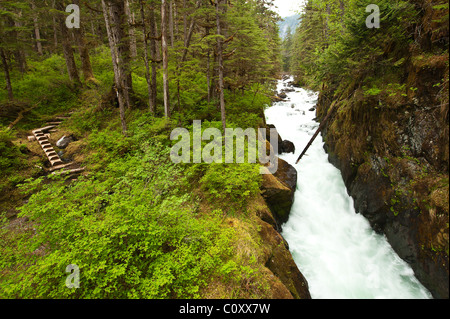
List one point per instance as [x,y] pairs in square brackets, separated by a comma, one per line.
[322,125]
[68,172]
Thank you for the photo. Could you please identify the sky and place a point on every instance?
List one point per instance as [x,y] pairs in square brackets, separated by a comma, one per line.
[287,8]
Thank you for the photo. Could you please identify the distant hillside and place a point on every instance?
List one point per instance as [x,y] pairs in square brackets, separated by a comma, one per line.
[287,22]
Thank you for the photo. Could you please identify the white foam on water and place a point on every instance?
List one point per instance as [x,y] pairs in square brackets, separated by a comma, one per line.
[334,247]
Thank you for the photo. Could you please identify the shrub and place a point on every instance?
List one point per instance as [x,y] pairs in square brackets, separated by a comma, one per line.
[130,230]
[235,183]
[10,155]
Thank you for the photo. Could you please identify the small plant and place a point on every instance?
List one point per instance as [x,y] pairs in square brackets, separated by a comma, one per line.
[233,182]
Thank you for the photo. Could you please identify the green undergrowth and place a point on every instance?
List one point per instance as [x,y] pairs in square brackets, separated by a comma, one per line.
[132,225]
[136,224]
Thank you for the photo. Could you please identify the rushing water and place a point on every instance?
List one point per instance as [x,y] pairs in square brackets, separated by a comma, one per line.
[333,246]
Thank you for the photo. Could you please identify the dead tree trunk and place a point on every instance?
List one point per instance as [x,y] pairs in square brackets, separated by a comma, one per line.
[322,125]
[115,56]
[118,25]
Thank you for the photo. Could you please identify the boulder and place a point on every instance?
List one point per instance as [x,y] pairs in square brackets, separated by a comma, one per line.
[287,147]
[278,190]
[278,197]
[287,174]
[64,141]
[280,140]
[282,95]
[276,99]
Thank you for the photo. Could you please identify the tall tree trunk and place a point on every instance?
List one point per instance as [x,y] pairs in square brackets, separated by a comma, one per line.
[37,32]
[220,64]
[165,57]
[119,32]
[188,33]
[342,8]
[7,75]
[147,67]
[171,22]
[86,66]
[55,35]
[55,29]
[208,75]
[21,60]
[19,53]
[131,23]
[153,55]
[327,22]
[67,47]
[175,17]
[115,56]
[185,22]
[187,41]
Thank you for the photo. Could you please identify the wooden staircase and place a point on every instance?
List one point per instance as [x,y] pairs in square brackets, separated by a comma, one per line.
[42,136]
[42,139]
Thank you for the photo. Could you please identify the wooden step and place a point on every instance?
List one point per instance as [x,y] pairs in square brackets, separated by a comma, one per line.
[56,162]
[43,129]
[46,146]
[58,167]
[70,171]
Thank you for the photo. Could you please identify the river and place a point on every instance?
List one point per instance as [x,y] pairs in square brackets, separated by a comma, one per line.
[334,247]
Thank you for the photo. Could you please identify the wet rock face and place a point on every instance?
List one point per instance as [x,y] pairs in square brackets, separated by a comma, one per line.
[280,262]
[278,191]
[420,132]
[408,229]
[395,193]
[287,174]
[270,128]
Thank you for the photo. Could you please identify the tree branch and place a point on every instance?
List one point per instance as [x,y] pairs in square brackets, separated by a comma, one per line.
[91,8]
